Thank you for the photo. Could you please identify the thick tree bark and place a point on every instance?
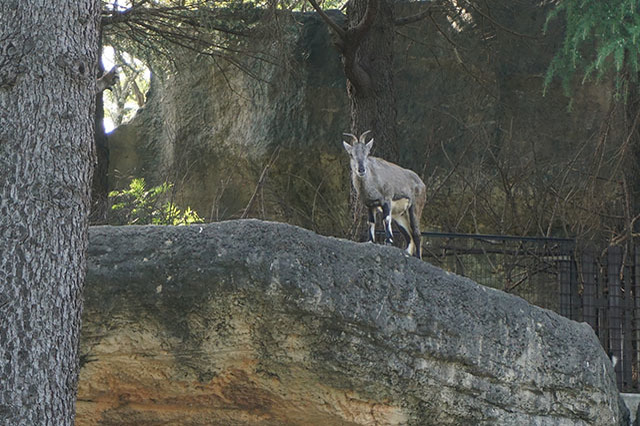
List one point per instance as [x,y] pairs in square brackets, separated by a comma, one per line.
[370,83]
[367,46]
[369,71]
[48,56]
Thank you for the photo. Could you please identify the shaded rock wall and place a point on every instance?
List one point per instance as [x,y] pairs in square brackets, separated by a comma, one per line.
[258,323]
[212,129]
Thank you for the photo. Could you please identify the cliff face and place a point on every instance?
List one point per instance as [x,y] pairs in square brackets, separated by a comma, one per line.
[257,323]
[468,104]
[212,129]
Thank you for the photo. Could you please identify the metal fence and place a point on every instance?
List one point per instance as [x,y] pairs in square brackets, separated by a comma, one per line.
[607,292]
[601,288]
[525,266]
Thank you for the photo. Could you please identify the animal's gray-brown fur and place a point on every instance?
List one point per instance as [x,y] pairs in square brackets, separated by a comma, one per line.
[383,186]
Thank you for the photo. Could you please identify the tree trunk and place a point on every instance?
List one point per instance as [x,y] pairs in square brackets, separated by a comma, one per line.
[48,56]
[100,184]
[373,98]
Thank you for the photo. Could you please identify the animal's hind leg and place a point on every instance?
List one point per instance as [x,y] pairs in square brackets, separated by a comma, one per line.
[372,224]
[403,224]
[415,231]
[386,214]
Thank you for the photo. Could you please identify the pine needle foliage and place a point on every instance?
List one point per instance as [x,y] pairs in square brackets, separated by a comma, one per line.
[219,30]
[601,38]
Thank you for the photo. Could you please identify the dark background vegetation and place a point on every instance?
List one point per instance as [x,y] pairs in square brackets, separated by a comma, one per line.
[247,106]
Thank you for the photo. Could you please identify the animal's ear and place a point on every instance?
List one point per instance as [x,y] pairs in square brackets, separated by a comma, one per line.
[369,145]
[348,147]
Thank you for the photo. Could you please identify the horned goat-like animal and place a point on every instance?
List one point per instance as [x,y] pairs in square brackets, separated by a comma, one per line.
[383,186]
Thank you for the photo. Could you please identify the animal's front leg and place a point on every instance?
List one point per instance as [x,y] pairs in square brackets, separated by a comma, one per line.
[386,214]
[372,224]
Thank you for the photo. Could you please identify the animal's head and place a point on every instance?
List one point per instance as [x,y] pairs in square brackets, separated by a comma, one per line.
[359,152]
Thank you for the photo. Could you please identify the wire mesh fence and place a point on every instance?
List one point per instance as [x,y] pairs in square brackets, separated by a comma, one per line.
[525,266]
[601,288]
[608,287]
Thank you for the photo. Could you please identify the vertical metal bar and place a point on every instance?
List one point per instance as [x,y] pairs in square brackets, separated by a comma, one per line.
[634,289]
[636,315]
[590,290]
[614,260]
[564,287]
[627,330]
[602,303]
[574,298]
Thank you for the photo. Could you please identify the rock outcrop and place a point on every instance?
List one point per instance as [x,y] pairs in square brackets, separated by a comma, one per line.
[257,323]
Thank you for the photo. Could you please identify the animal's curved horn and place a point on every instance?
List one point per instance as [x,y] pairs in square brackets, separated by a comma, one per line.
[364,135]
[354,137]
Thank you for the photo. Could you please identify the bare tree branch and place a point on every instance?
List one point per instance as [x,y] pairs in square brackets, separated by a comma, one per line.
[357,33]
[261,180]
[107,80]
[326,18]
[350,42]
[432,7]
[489,18]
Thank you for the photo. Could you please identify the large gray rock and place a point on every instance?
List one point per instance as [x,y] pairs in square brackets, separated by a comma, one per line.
[250,322]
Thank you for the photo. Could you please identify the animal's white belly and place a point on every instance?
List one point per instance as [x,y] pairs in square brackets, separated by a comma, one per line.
[399,207]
